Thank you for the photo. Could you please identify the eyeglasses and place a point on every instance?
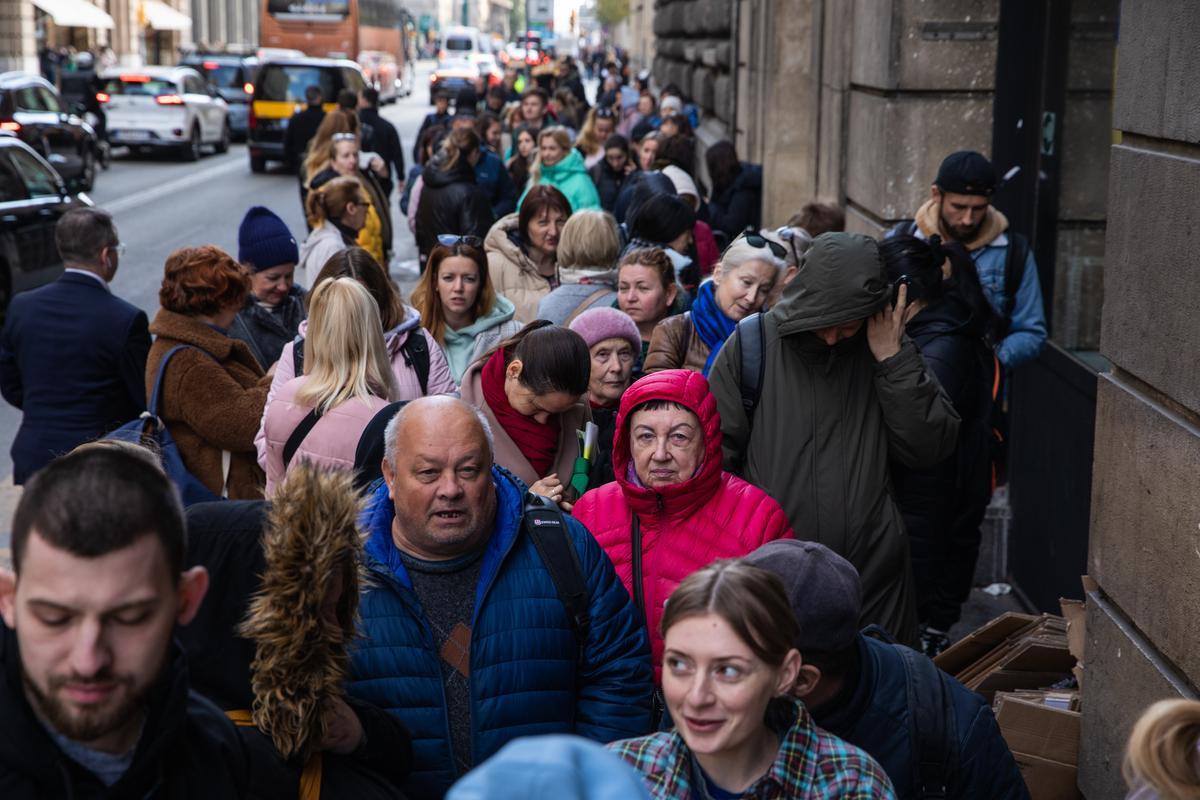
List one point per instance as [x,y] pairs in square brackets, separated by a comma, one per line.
[345,137]
[450,240]
[755,239]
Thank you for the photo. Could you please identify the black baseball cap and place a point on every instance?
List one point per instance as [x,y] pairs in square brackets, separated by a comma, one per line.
[966,172]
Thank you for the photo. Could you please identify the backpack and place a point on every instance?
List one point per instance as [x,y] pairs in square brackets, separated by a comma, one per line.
[932,728]
[415,351]
[752,352]
[149,428]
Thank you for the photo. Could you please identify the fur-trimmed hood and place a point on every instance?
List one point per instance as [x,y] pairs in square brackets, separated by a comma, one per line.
[312,539]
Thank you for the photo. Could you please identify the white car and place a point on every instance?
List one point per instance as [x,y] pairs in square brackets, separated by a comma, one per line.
[164,107]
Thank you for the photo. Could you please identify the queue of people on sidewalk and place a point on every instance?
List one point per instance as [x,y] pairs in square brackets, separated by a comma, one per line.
[587,480]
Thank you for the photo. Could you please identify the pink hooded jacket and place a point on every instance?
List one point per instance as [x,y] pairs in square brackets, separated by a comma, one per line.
[684,526]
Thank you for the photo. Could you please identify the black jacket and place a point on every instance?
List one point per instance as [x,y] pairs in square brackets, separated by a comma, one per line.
[943,505]
[601,471]
[302,127]
[738,205]
[608,183]
[268,331]
[73,359]
[451,202]
[385,141]
[188,748]
[432,119]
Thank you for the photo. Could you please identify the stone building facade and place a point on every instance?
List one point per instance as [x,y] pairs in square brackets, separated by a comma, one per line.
[1145,544]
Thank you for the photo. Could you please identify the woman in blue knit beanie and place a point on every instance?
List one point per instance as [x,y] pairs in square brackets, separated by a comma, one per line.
[275,307]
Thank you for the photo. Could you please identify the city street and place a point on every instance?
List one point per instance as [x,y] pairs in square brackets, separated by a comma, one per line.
[161,204]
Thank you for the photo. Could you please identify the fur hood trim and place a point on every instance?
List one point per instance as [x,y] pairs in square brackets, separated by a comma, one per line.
[312,539]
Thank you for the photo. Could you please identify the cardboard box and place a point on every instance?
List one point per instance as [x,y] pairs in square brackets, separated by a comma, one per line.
[1044,741]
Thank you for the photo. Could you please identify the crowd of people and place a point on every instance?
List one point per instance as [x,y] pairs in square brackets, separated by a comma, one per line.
[689,500]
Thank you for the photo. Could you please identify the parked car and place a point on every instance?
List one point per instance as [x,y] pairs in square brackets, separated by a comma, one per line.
[165,108]
[279,93]
[32,199]
[233,75]
[32,110]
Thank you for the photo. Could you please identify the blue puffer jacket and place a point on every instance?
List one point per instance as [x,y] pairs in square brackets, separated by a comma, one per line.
[877,718]
[525,680]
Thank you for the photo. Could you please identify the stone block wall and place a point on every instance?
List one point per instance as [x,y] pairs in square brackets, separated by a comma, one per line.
[694,50]
[17,44]
[1144,549]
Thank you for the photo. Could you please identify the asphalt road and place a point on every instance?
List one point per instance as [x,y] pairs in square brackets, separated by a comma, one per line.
[160,204]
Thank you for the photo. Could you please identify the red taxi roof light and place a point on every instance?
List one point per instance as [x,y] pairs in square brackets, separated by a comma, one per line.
[211,65]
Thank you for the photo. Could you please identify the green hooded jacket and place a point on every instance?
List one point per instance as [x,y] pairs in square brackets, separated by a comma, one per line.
[830,419]
[570,177]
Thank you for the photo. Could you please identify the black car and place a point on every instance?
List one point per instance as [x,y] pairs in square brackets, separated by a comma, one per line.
[32,199]
[31,110]
[233,76]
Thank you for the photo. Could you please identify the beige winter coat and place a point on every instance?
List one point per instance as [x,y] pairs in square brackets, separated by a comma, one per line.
[512,272]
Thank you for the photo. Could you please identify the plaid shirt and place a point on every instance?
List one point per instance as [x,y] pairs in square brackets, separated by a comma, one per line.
[811,764]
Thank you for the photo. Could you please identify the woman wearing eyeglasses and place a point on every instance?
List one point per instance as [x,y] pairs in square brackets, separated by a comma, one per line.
[600,124]
[376,234]
[739,287]
[451,202]
[458,304]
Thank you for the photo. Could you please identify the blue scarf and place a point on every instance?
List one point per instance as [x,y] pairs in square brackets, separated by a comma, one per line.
[710,322]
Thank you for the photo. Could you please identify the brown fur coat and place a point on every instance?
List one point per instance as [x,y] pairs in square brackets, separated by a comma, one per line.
[212,400]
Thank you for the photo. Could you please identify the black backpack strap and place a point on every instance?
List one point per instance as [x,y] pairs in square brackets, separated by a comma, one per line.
[905,227]
[933,729]
[752,347]
[298,355]
[293,443]
[416,355]
[1014,272]
[546,527]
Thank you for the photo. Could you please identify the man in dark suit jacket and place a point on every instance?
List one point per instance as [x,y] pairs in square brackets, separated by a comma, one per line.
[383,138]
[73,356]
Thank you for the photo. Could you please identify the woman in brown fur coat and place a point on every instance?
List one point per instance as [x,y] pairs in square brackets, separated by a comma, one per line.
[214,391]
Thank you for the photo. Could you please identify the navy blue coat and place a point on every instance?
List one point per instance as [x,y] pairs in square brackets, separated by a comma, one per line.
[876,718]
[492,176]
[526,679]
[73,359]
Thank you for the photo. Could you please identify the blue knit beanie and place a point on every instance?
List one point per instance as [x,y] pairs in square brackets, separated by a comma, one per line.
[264,240]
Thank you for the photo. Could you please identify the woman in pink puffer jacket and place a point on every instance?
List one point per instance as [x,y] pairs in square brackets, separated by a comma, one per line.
[671,509]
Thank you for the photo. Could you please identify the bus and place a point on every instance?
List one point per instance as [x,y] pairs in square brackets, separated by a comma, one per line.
[337,28]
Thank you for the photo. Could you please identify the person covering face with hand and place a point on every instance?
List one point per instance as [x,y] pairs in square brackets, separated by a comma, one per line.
[835,341]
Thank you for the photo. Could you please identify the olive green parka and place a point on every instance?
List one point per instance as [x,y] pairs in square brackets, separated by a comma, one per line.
[831,419]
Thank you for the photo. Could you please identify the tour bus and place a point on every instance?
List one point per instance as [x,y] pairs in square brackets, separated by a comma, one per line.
[339,29]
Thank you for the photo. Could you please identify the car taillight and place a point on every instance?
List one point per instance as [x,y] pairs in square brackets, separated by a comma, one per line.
[211,65]
[12,127]
[433,79]
[248,88]
[169,100]
[101,97]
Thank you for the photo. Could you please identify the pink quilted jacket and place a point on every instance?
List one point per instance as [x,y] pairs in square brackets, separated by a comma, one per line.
[685,526]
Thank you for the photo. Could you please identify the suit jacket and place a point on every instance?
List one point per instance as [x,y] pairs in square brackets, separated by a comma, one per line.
[73,359]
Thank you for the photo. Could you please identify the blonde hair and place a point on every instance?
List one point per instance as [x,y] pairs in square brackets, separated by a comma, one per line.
[559,135]
[1162,752]
[460,144]
[589,239]
[588,142]
[320,149]
[330,201]
[346,357]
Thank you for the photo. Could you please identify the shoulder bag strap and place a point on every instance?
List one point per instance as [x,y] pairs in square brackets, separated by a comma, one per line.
[585,305]
[298,355]
[293,443]
[639,593]
[156,392]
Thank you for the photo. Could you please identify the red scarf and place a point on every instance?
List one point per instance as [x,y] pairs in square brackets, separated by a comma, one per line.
[537,442]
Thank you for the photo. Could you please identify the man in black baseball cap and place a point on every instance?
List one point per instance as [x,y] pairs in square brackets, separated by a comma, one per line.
[868,691]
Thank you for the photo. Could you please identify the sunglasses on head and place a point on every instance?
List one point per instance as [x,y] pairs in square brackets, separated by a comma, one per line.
[754,239]
[604,113]
[450,240]
[345,137]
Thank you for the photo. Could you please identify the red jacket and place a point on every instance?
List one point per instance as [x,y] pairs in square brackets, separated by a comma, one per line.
[685,526]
